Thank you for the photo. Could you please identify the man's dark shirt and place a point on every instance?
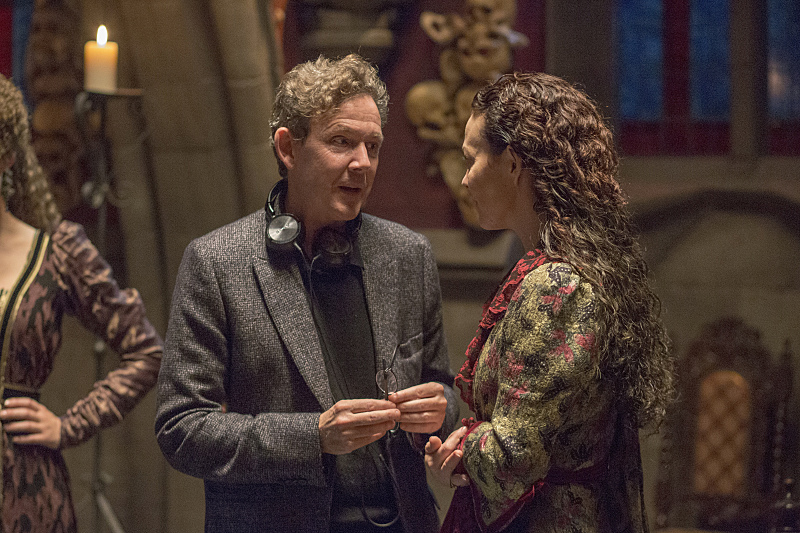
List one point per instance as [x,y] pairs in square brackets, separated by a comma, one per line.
[362,481]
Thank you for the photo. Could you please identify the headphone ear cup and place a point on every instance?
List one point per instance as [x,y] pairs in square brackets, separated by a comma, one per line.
[282,231]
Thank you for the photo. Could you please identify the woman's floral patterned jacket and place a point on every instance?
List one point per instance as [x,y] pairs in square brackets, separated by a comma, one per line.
[549,450]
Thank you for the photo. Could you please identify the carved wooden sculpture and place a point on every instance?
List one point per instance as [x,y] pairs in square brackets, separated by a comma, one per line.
[338,27]
[54,74]
[724,452]
[476,49]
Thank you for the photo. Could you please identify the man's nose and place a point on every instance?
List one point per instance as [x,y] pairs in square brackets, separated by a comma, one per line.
[360,157]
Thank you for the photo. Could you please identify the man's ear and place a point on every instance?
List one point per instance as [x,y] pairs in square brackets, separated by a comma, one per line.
[284,146]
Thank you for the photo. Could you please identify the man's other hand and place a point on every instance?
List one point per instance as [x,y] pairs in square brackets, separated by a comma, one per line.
[352,424]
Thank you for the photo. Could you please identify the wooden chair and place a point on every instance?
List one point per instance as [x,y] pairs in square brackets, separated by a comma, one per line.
[722,461]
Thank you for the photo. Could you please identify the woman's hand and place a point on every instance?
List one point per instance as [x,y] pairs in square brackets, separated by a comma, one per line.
[29,422]
[442,458]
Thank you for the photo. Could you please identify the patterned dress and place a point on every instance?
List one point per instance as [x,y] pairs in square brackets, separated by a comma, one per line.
[548,451]
[65,274]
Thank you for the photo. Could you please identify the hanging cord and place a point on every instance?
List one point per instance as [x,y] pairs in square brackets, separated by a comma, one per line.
[338,373]
[385,377]
[376,457]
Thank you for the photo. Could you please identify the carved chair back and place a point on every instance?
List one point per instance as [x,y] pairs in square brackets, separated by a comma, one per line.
[723,445]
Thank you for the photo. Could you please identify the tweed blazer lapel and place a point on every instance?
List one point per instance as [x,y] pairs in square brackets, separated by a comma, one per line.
[381,291]
[287,305]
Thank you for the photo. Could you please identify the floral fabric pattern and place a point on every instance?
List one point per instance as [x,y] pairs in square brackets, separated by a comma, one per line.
[549,450]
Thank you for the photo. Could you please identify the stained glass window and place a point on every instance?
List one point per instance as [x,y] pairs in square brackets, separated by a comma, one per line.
[784,60]
[709,53]
[783,76]
[23,12]
[641,54]
[674,76]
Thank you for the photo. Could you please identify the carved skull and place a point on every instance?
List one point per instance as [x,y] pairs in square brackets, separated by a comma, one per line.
[483,53]
[494,12]
[429,108]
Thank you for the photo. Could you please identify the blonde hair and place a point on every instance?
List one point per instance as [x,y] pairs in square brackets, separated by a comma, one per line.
[32,202]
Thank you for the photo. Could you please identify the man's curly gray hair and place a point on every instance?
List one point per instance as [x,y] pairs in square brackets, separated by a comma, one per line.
[320,86]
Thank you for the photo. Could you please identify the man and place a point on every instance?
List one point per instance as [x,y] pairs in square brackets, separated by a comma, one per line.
[305,361]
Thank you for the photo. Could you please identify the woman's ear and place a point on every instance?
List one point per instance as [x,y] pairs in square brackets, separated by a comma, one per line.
[514,163]
[284,146]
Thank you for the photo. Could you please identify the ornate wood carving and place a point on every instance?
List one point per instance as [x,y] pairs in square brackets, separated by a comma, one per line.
[54,75]
[723,447]
[336,28]
[476,48]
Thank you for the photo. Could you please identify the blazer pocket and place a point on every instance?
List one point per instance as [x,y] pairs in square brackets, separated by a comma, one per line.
[408,363]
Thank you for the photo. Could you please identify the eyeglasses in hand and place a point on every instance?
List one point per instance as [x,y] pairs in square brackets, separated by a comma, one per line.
[386,378]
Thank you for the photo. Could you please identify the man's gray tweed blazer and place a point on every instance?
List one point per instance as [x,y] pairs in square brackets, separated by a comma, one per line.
[243,381]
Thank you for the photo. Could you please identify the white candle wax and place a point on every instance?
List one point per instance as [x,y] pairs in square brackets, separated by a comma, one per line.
[100,64]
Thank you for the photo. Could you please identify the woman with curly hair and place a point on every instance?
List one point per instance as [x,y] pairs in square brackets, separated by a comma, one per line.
[570,358]
[48,268]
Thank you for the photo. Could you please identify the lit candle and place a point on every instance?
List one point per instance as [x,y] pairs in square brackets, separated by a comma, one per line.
[100,63]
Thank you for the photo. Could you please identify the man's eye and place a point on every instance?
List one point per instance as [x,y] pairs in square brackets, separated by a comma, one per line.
[340,141]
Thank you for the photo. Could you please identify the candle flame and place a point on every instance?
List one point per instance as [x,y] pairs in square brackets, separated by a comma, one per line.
[102,35]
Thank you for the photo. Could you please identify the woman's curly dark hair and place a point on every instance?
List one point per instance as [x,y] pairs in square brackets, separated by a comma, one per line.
[562,139]
[31,201]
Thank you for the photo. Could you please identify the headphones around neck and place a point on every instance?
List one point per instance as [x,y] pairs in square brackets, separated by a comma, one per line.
[285,231]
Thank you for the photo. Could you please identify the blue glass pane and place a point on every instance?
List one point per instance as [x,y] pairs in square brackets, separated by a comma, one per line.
[784,60]
[710,65]
[640,53]
[21,25]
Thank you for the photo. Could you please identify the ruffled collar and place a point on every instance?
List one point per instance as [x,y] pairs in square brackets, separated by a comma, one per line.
[493,311]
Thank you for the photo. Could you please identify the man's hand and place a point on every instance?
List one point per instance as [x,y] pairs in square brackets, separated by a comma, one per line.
[441,458]
[422,407]
[351,424]
[29,422]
